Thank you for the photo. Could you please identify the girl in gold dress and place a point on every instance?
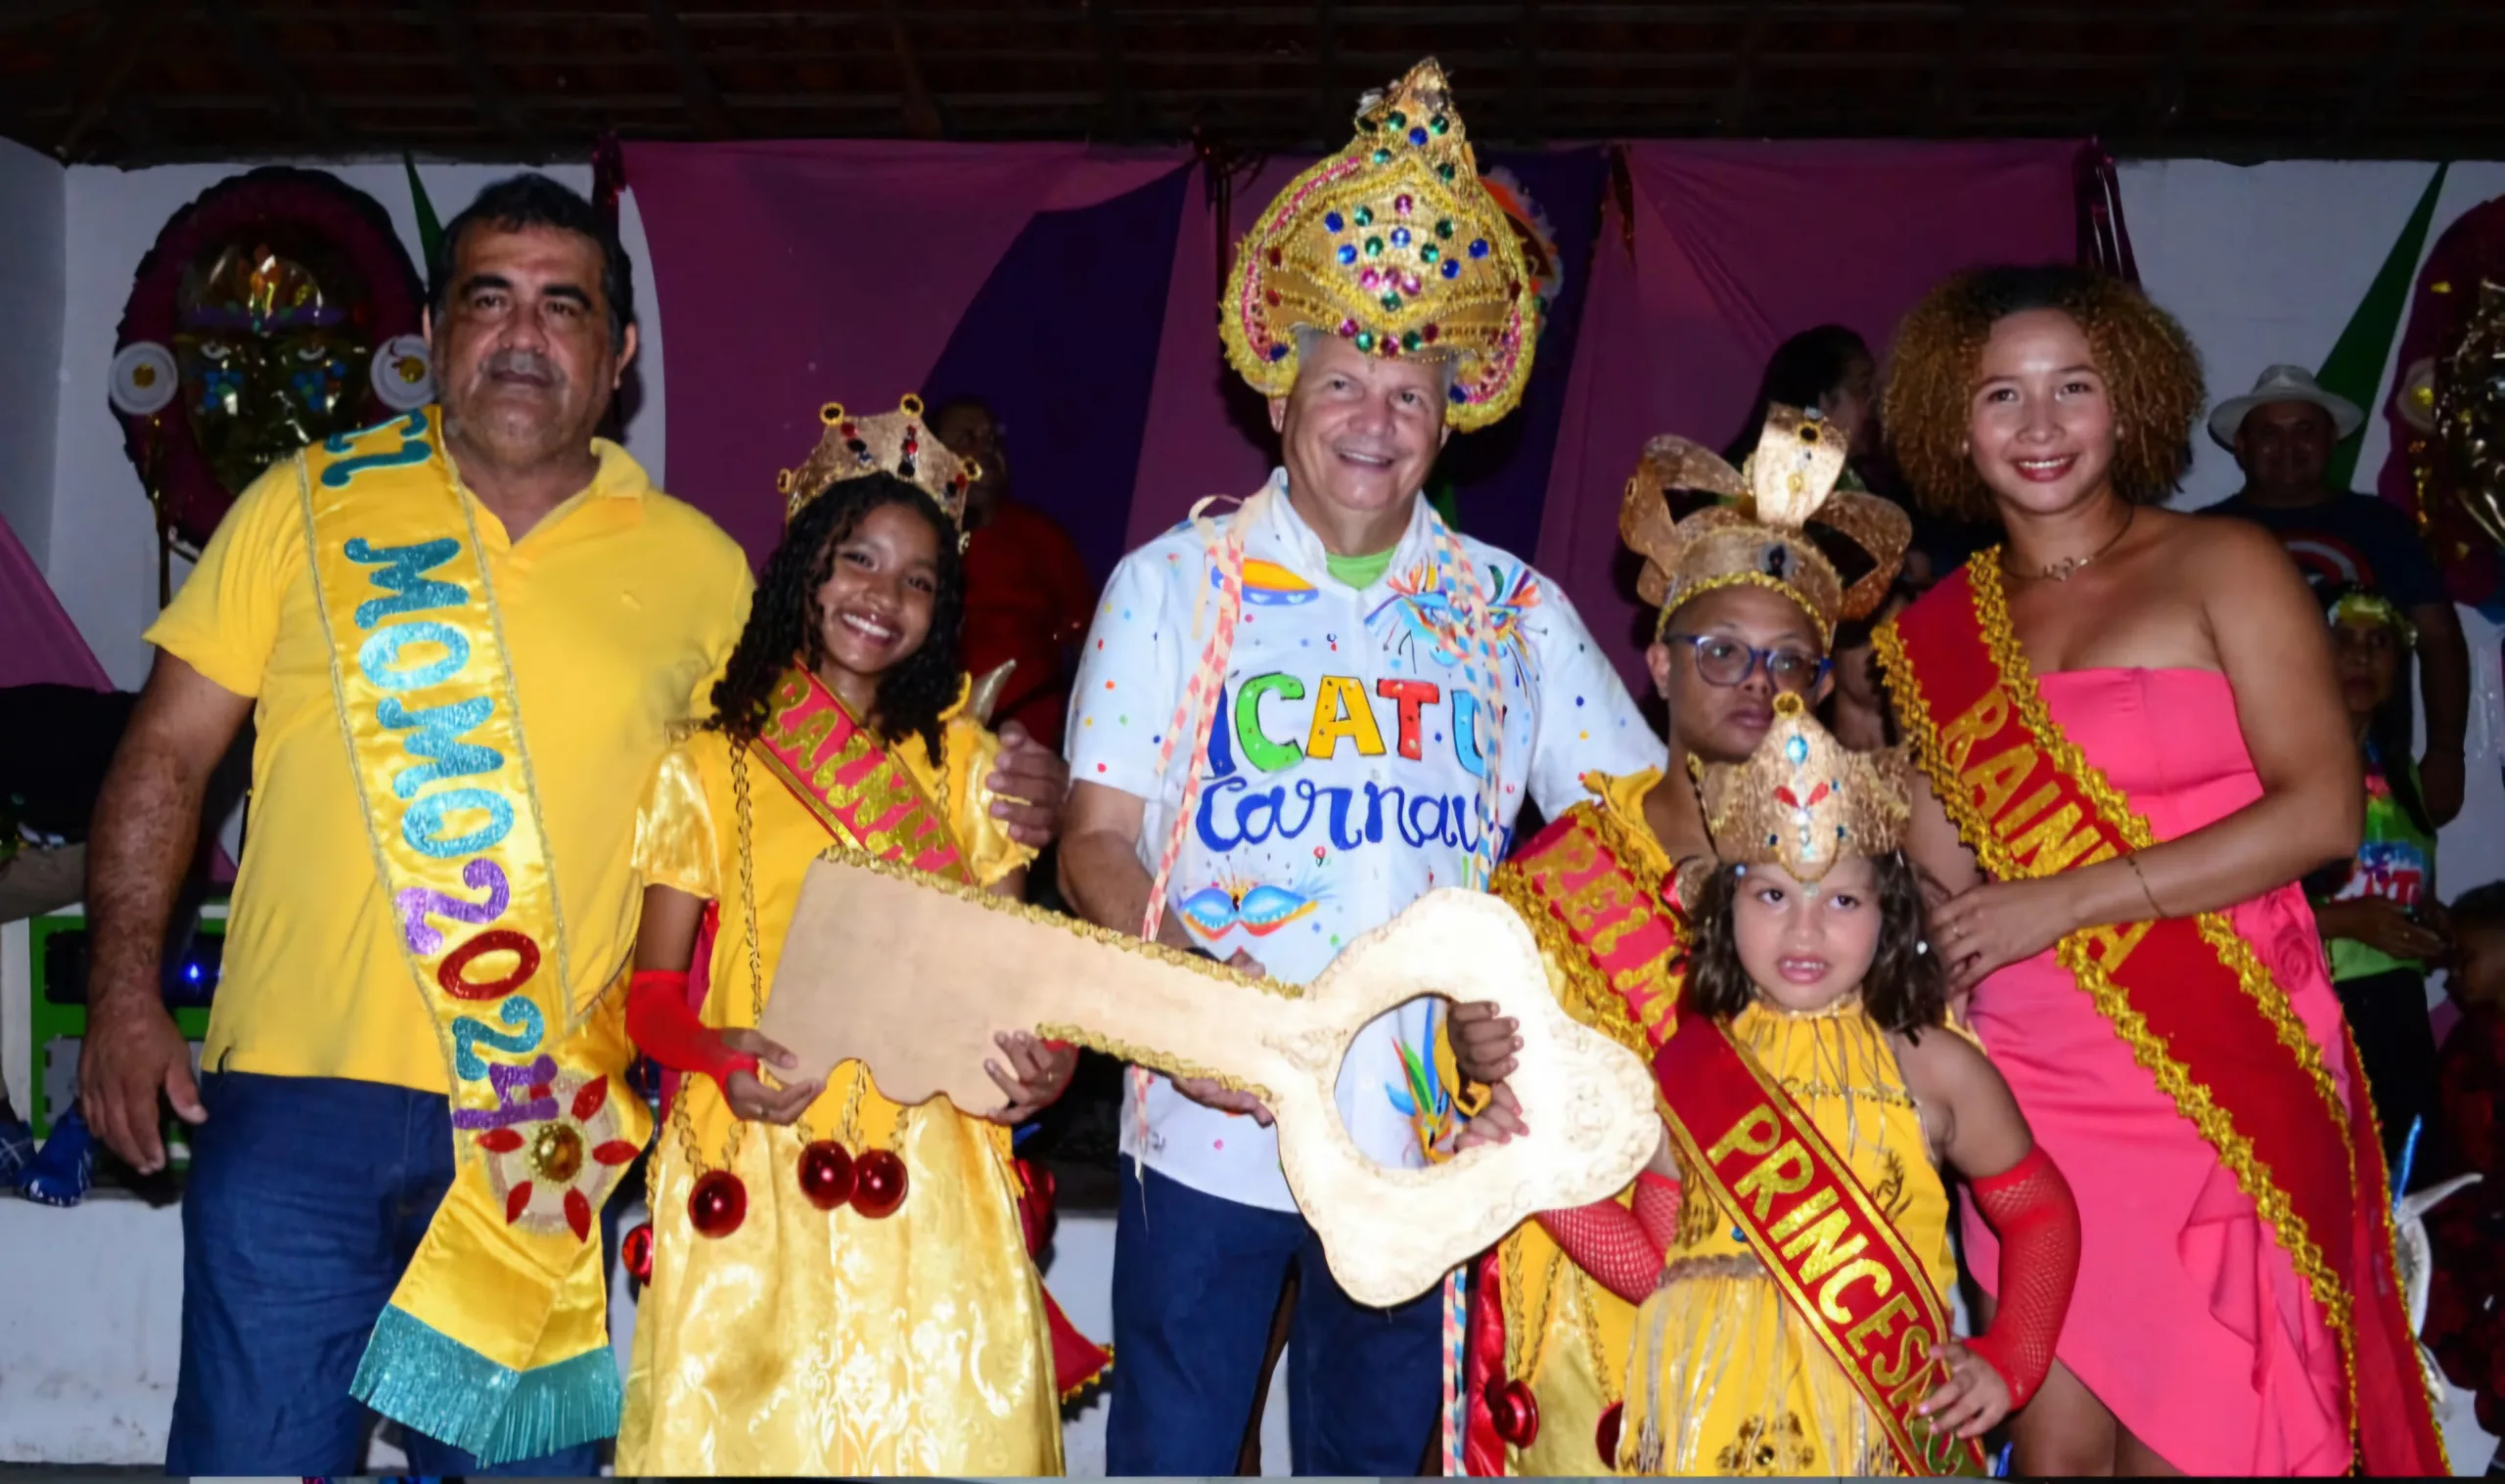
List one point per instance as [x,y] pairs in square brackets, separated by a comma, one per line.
[1808,960]
[838,1285]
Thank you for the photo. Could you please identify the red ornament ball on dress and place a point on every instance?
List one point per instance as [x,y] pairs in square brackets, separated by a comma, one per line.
[1515,1411]
[719,1204]
[878,1184]
[635,1249]
[825,1174]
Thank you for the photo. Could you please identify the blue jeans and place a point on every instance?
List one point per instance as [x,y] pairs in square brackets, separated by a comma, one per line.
[1195,1284]
[305,1201]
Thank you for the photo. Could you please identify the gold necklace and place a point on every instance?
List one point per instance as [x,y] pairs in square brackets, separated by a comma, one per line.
[2070,567]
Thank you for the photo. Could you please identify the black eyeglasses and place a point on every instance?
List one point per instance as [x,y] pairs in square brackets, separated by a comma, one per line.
[1725,661]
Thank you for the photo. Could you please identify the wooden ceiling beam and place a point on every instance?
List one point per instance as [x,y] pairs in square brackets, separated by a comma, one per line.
[921,118]
[703,101]
[253,48]
[131,29]
[1738,107]
[1524,105]
[1112,75]
[503,114]
[2399,54]
[1331,110]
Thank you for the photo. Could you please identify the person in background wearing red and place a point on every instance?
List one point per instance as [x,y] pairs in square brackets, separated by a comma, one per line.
[1029,595]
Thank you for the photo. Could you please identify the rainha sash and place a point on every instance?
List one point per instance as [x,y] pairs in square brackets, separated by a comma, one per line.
[1596,907]
[836,768]
[2195,1002]
[496,1339]
[868,799]
[1839,1261]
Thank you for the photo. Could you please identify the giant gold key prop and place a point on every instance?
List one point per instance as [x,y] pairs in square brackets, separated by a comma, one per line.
[913,978]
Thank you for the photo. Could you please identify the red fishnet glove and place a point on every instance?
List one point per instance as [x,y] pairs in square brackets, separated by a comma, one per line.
[1622,1248]
[668,1029]
[2031,1210]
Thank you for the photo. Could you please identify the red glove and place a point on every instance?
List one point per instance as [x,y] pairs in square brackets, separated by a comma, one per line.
[1622,1248]
[2031,1210]
[669,1030]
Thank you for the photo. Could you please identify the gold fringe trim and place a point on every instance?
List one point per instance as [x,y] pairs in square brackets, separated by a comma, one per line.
[2191,1098]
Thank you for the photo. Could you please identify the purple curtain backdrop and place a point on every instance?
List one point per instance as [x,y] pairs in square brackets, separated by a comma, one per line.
[1062,341]
[798,274]
[44,648]
[1737,246]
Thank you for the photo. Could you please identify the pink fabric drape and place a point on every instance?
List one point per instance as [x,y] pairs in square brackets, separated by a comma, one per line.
[44,648]
[801,273]
[1738,246]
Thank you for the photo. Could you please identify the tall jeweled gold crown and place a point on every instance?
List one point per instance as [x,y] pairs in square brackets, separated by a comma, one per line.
[1395,245]
[897,442]
[1803,800]
[1785,504]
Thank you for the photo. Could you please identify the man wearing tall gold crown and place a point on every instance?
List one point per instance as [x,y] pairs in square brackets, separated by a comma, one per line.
[465,633]
[1293,721]
[1748,594]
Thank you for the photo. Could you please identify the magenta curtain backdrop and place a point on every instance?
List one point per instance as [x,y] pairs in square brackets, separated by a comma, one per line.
[1738,245]
[44,648]
[794,274]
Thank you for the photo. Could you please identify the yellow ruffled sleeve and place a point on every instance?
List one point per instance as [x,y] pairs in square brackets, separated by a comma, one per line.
[675,845]
[984,842]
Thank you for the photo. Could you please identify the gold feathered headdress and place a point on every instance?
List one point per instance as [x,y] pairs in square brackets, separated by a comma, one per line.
[1804,801]
[1395,245]
[1787,517]
[897,442]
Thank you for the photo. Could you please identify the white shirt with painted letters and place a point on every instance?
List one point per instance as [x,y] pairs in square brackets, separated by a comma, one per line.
[1343,784]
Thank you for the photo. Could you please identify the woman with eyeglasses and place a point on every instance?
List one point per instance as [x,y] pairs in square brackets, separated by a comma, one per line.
[1748,594]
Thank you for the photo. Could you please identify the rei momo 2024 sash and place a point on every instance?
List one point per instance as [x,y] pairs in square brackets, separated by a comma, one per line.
[496,1339]
[2196,1005]
[864,796]
[1841,1264]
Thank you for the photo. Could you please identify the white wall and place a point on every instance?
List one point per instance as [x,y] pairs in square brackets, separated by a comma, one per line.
[2264,264]
[100,553]
[32,193]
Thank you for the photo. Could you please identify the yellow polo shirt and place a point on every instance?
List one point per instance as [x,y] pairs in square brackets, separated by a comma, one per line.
[620,607]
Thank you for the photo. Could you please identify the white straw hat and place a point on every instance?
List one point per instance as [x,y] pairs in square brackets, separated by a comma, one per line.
[2283,384]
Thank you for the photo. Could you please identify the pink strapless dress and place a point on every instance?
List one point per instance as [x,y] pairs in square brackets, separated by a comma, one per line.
[2189,1320]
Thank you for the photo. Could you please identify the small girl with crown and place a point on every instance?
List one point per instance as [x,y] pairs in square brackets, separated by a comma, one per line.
[836,1284]
[1789,1247]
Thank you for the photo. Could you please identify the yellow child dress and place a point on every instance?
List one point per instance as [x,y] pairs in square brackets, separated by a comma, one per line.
[804,1341]
[1725,1378]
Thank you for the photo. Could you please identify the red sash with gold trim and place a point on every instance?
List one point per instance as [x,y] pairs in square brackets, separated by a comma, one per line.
[1588,899]
[2196,1005]
[867,798]
[835,767]
[1841,1265]
[1591,902]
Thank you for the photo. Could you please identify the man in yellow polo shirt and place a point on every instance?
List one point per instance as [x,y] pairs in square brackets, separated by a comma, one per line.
[335,1082]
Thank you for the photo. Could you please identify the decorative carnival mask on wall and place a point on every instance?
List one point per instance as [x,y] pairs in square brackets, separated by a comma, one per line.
[2470,411]
[278,308]
[2447,459]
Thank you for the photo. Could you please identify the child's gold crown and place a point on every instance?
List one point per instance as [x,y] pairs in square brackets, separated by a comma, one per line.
[1803,800]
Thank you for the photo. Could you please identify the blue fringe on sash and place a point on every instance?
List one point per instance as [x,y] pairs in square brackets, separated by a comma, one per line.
[435,1385]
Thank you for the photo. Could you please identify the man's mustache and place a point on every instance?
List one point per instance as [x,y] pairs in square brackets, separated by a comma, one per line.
[522,366]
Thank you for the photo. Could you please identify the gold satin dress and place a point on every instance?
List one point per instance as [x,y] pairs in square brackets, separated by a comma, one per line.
[1567,1336]
[804,1341]
[1725,1378]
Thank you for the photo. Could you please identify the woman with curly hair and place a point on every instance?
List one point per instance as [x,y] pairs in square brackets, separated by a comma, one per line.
[837,1285]
[2135,748]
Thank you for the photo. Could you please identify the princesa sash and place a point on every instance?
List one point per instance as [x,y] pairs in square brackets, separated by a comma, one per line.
[496,1339]
[836,768]
[2194,1002]
[868,799]
[1841,1265]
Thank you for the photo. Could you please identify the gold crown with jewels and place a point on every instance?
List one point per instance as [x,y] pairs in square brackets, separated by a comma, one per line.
[1395,245]
[1803,800]
[1786,519]
[899,442]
